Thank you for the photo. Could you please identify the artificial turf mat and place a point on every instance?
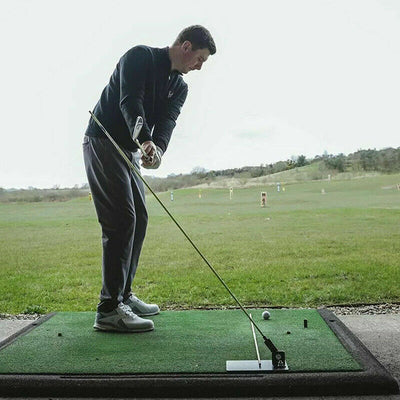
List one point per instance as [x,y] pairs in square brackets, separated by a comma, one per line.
[196,341]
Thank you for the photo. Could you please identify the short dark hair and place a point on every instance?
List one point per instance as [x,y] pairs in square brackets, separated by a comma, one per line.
[199,36]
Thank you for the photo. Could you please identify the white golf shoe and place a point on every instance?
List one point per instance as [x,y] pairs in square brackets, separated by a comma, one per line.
[122,319]
[141,308]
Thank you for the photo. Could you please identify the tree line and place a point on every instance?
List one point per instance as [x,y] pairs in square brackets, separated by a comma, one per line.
[35,195]
[383,161]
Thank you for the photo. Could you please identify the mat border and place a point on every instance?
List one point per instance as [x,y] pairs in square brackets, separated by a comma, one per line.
[374,379]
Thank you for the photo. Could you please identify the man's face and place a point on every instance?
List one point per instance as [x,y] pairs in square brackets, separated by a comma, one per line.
[192,59]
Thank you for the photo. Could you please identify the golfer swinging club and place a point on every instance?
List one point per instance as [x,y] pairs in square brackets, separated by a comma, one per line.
[146,82]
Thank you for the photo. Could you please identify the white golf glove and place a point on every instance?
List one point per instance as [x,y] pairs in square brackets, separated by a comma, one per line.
[154,161]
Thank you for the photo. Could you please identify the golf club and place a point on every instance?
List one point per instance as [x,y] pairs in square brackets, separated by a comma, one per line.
[278,356]
[135,134]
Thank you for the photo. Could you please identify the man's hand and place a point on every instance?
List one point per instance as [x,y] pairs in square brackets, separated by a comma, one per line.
[154,154]
[150,148]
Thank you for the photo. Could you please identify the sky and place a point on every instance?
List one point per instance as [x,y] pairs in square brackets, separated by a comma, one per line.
[289,77]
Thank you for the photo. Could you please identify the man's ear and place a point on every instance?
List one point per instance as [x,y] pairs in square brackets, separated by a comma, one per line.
[186,46]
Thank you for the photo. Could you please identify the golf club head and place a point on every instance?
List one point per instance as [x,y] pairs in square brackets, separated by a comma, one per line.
[138,127]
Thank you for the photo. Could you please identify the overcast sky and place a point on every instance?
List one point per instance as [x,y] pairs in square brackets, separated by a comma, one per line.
[289,77]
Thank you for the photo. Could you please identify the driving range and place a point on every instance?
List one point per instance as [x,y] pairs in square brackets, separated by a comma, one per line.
[283,254]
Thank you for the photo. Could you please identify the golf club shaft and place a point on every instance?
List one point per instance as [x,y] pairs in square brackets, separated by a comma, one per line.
[137,172]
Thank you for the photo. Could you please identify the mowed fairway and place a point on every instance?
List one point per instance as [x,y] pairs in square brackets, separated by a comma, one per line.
[304,249]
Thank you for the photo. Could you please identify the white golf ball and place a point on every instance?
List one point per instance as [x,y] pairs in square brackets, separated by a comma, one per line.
[266,314]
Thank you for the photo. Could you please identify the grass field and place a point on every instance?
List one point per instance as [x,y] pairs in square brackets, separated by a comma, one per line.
[304,249]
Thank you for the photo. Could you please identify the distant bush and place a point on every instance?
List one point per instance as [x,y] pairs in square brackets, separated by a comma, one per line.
[301,161]
[38,195]
[337,163]
[386,160]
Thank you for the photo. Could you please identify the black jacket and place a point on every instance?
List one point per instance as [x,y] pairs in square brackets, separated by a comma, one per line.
[141,84]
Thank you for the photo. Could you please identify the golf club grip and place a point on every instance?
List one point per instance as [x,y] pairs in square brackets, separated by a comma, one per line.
[143,151]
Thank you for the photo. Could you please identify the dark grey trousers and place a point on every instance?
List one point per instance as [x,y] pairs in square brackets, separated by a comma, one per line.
[119,199]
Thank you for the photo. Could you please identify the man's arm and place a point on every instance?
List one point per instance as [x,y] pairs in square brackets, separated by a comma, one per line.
[163,130]
[134,67]
[166,122]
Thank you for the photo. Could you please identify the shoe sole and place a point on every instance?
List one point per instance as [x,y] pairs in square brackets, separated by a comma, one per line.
[112,329]
[148,315]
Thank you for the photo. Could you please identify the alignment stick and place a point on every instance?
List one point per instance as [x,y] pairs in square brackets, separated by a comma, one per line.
[255,341]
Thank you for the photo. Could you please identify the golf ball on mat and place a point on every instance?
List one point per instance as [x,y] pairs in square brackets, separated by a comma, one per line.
[266,314]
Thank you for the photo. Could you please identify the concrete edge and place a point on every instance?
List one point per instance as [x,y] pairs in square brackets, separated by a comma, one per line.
[6,342]
[372,367]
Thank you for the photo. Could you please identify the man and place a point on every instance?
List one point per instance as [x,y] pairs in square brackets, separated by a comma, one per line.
[146,82]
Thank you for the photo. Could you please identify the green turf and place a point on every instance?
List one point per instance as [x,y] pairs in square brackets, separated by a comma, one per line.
[184,341]
[305,249]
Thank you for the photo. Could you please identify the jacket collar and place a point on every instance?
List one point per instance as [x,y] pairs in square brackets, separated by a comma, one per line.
[165,52]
